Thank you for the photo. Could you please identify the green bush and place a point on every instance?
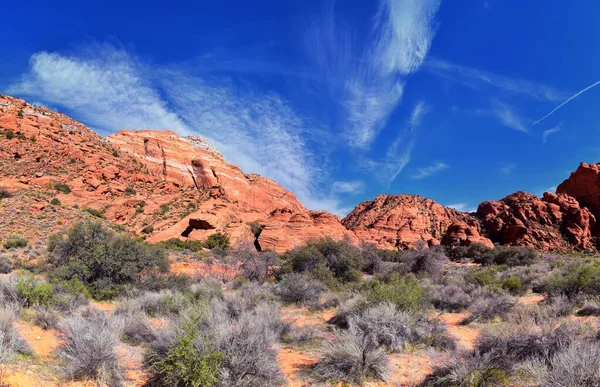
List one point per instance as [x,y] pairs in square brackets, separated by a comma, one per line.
[15,243]
[179,245]
[95,213]
[483,277]
[55,202]
[183,365]
[102,259]
[574,279]
[9,134]
[148,229]
[217,240]
[61,187]
[324,255]
[510,256]
[513,285]
[34,292]
[129,191]
[164,208]
[404,292]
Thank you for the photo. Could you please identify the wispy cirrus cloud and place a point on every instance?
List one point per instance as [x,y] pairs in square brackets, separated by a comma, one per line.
[507,115]
[550,132]
[429,171]
[110,89]
[475,78]
[506,169]
[368,79]
[353,187]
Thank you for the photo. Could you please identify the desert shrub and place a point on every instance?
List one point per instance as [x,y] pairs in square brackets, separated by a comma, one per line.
[179,245]
[217,240]
[298,288]
[185,362]
[102,259]
[509,255]
[148,229]
[574,280]
[237,350]
[393,329]
[205,289]
[137,328]
[513,286]
[62,187]
[257,266]
[45,318]
[425,261]
[486,276]
[32,291]
[161,303]
[352,357]
[324,259]
[6,264]
[130,191]
[497,357]
[89,348]
[404,292]
[353,305]
[55,202]
[451,298]
[577,364]
[95,213]
[4,194]
[70,295]
[489,308]
[11,344]
[473,369]
[158,281]
[589,308]
[15,243]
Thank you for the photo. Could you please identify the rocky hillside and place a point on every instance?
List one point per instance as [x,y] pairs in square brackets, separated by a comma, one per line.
[160,185]
[154,183]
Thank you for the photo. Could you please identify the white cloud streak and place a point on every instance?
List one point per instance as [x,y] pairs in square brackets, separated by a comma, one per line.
[507,169]
[549,132]
[474,78]
[506,115]
[567,101]
[429,171]
[369,81]
[352,187]
[109,89]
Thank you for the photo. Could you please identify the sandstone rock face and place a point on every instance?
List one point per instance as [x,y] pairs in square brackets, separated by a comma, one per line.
[461,234]
[402,221]
[181,186]
[584,186]
[555,222]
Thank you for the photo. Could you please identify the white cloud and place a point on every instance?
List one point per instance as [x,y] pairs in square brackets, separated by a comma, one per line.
[506,169]
[369,80]
[475,78]
[355,186]
[429,171]
[549,132]
[507,115]
[110,89]
[417,114]
[105,87]
[463,207]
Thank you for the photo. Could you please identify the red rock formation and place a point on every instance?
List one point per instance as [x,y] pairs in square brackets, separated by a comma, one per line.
[461,234]
[584,185]
[400,221]
[181,186]
[555,222]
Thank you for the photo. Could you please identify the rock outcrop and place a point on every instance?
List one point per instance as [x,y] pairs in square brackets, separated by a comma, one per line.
[554,222]
[402,221]
[461,234]
[154,183]
[584,186]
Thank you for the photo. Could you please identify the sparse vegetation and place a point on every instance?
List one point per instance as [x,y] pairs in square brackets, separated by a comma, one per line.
[62,187]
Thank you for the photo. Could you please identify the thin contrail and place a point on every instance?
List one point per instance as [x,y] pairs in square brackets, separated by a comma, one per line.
[566,102]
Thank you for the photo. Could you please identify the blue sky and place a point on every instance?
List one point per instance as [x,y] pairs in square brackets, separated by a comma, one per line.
[337,101]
